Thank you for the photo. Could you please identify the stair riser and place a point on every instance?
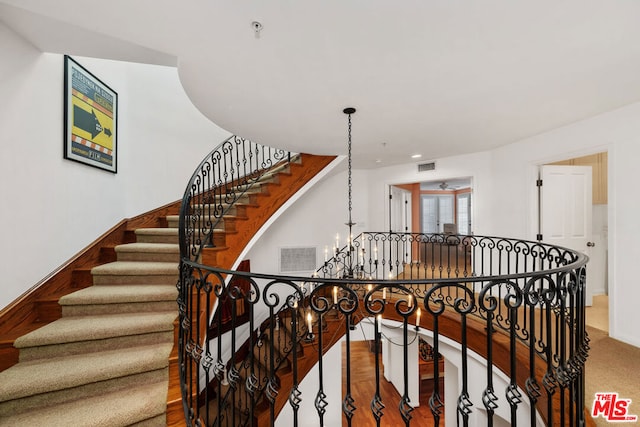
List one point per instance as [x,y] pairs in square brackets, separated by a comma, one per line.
[175,409]
[224,200]
[25,404]
[83,347]
[175,414]
[273,178]
[225,224]
[118,308]
[245,198]
[229,224]
[169,279]
[219,239]
[149,256]
[209,213]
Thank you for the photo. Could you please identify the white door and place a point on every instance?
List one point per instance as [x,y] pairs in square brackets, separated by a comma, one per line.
[566,208]
[400,206]
[400,219]
[463,213]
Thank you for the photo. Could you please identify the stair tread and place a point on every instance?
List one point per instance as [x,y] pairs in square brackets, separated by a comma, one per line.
[47,375]
[85,328]
[226,217]
[120,294]
[142,268]
[224,204]
[149,247]
[165,231]
[7,339]
[120,408]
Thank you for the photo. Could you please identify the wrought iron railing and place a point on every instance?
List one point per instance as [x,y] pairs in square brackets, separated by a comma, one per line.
[519,305]
[221,179]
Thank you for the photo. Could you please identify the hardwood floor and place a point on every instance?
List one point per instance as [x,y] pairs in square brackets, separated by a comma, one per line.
[363,389]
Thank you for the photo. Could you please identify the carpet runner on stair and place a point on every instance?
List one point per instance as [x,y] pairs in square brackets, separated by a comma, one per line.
[106,361]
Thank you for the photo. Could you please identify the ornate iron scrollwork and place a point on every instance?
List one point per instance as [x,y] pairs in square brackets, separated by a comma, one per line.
[515,288]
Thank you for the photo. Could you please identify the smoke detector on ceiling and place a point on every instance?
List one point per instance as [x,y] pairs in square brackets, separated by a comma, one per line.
[257,27]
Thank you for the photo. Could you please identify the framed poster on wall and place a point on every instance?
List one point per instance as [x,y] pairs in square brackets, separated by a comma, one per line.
[90,118]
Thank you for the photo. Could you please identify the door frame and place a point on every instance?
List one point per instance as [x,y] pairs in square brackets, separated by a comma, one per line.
[532,177]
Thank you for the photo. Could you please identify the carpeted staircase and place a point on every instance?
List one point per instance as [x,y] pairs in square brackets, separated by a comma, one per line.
[106,361]
[100,350]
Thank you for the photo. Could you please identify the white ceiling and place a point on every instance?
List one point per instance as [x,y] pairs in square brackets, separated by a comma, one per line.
[434,77]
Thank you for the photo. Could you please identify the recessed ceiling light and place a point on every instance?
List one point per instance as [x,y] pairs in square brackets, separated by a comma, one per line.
[378,161]
[416,156]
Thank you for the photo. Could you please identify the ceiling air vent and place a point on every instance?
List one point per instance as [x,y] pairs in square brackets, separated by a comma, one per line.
[426,167]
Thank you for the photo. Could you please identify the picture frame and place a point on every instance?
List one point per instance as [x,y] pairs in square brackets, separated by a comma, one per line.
[90,118]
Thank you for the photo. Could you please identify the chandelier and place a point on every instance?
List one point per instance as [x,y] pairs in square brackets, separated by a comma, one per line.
[348,262]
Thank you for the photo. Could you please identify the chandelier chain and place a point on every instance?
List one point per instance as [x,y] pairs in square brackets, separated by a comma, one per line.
[349,172]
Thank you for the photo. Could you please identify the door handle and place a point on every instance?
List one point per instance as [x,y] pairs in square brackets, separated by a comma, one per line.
[590,244]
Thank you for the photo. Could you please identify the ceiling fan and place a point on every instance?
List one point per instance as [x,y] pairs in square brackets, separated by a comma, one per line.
[444,186]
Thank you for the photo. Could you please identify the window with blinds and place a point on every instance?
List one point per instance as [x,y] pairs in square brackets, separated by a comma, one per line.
[437,210]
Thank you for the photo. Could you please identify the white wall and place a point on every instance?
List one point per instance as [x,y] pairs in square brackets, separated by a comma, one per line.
[322,212]
[313,221]
[52,208]
[474,165]
[48,200]
[476,383]
[332,382]
[599,253]
[392,371]
[393,359]
[514,169]
[505,201]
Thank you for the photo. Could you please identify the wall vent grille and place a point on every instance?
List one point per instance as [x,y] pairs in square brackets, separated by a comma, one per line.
[426,167]
[299,259]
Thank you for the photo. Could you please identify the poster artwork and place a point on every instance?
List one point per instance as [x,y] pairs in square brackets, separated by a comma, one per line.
[90,118]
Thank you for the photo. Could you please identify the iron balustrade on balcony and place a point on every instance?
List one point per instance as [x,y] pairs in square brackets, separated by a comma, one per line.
[523,297]
[508,314]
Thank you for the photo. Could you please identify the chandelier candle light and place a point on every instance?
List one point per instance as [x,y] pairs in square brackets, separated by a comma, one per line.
[309,336]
